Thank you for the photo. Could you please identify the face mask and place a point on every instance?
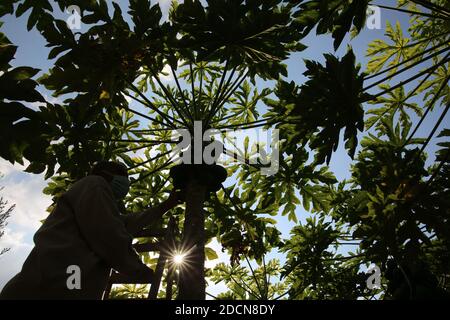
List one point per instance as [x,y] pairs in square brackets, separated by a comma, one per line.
[120,186]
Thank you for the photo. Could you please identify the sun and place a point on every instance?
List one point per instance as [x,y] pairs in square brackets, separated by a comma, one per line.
[178,259]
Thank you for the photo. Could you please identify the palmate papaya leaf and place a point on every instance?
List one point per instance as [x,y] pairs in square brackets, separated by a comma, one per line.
[295,183]
[16,84]
[337,17]
[244,104]
[25,139]
[38,8]
[239,226]
[421,28]
[145,17]
[309,246]
[57,34]
[316,112]
[97,11]
[317,196]
[397,134]
[433,87]
[387,163]
[392,103]
[23,90]
[246,282]
[129,291]
[11,112]
[24,134]
[387,208]
[255,34]
[383,54]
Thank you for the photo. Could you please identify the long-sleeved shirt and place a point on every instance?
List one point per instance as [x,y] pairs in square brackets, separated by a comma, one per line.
[85,230]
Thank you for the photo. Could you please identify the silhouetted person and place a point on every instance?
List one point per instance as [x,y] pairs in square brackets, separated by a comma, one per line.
[85,230]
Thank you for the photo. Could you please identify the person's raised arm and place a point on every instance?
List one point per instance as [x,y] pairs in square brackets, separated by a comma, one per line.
[135,222]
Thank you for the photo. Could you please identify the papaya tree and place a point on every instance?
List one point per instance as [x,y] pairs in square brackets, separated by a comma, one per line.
[249,283]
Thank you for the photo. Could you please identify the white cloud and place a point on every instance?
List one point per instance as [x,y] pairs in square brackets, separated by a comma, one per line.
[12,260]
[30,203]
[12,239]
[25,191]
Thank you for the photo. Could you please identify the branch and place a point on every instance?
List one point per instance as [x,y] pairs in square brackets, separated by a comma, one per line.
[407,60]
[193,88]
[407,97]
[250,125]
[254,277]
[152,172]
[168,95]
[444,113]
[236,84]
[266,276]
[218,92]
[208,294]
[149,104]
[246,289]
[407,68]
[182,95]
[435,98]
[414,12]
[401,84]
[170,124]
[432,6]
[282,295]
[222,94]
[150,160]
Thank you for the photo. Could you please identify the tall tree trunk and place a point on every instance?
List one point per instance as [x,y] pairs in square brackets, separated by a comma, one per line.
[192,273]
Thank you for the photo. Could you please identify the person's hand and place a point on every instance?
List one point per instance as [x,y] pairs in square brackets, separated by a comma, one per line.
[175,197]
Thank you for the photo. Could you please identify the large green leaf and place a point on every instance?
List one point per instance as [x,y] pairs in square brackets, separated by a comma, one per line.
[334,16]
[317,111]
[253,34]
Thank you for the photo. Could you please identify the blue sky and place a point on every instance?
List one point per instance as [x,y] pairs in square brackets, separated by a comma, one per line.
[24,189]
